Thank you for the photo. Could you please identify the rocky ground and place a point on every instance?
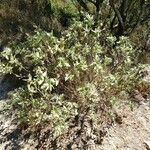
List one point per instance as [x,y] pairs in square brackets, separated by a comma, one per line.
[133,133]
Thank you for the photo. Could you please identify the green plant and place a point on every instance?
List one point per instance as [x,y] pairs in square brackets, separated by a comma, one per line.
[67,74]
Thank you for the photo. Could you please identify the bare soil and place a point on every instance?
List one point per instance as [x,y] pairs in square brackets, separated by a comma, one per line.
[133,133]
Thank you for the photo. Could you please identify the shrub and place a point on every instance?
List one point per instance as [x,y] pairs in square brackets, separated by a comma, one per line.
[68,74]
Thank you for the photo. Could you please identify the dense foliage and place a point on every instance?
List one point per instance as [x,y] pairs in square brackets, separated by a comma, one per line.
[79,71]
[120,17]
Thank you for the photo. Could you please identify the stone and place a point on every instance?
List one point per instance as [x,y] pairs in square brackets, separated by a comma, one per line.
[147,144]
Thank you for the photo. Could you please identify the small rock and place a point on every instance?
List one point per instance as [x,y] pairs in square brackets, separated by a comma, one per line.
[147,144]
[138,97]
